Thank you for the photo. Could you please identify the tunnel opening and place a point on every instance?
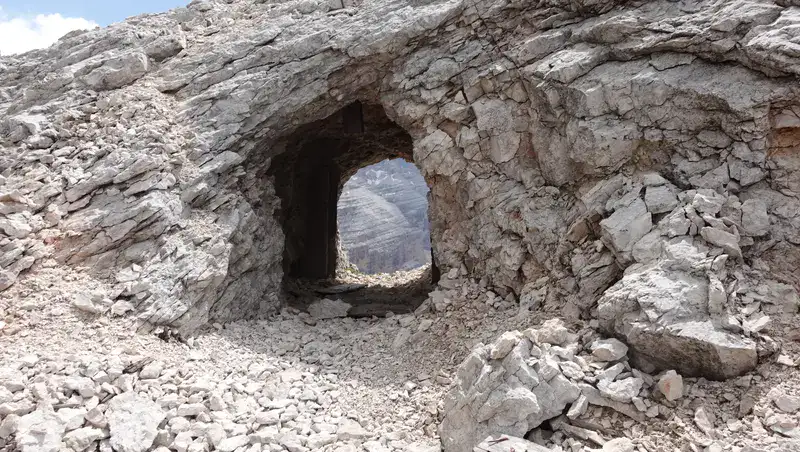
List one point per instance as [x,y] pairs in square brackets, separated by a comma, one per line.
[309,177]
[383,219]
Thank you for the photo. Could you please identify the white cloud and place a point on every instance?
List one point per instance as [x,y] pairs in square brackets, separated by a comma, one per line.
[20,34]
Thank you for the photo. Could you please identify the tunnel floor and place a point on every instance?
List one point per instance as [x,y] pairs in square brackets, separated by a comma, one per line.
[375,295]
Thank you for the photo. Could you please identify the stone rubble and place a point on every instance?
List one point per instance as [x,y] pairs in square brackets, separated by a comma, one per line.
[286,384]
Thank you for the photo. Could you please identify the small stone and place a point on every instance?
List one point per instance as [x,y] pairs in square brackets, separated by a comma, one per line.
[191,409]
[785,360]
[12,380]
[233,443]
[578,407]
[552,332]
[83,302]
[268,417]
[133,421]
[619,445]
[401,339]
[151,371]
[660,199]
[671,385]
[217,403]
[350,429]
[608,349]
[8,426]
[786,403]
[96,417]
[40,430]
[82,438]
[503,345]
[611,373]
[757,324]
[328,309]
[621,391]
[703,421]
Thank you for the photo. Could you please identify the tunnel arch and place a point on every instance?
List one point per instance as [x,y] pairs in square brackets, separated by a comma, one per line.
[309,176]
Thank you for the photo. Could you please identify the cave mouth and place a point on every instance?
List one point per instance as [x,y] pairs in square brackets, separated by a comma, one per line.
[309,177]
[383,220]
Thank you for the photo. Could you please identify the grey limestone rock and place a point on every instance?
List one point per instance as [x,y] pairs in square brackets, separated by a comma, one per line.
[40,431]
[178,157]
[133,421]
[328,309]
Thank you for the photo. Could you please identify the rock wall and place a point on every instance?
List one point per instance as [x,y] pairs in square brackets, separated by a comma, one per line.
[383,218]
[622,145]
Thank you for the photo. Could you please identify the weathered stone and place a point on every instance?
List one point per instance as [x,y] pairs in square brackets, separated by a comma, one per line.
[328,309]
[118,71]
[627,225]
[619,445]
[621,390]
[660,199]
[668,324]
[82,438]
[608,349]
[755,219]
[552,332]
[350,429]
[671,385]
[723,239]
[503,345]
[40,431]
[233,443]
[133,421]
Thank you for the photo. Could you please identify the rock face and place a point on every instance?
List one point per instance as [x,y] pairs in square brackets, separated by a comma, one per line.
[383,218]
[513,385]
[192,160]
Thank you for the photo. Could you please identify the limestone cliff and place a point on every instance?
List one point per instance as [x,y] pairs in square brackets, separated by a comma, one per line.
[383,218]
[643,157]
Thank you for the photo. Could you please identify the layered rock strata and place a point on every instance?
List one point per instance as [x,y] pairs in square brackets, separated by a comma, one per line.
[613,147]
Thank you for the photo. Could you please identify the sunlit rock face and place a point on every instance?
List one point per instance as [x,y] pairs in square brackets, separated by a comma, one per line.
[191,161]
[383,218]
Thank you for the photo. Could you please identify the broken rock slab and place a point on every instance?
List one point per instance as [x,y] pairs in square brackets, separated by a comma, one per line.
[328,309]
[661,313]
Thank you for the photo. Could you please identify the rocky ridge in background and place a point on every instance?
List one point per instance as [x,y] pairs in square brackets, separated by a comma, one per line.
[383,218]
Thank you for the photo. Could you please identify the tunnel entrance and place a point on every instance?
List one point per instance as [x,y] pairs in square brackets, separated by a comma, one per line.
[309,177]
[383,219]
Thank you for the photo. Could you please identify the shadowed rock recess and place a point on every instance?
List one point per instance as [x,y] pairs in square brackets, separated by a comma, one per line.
[644,157]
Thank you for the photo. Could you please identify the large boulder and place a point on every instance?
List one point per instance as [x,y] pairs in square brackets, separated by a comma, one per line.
[662,312]
[508,387]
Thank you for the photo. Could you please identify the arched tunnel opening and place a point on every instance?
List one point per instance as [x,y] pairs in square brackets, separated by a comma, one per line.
[309,178]
[383,219]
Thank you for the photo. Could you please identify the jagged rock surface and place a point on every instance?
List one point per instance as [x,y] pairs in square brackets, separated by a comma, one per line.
[383,218]
[575,140]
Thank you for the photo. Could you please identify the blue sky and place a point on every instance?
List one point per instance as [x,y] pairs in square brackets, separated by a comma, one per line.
[33,24]
[103,12]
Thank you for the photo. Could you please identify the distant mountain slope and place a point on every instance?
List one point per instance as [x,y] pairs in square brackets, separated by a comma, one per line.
[383,217]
